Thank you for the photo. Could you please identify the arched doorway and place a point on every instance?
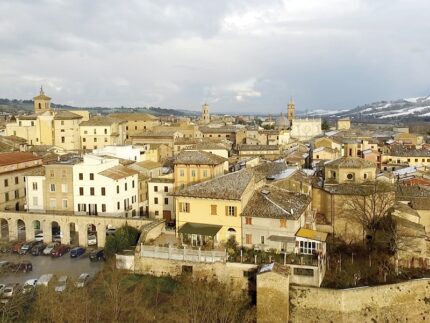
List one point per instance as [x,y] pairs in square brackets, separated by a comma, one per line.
[92,235]
[4,229]
[20,229]
[56,231]
[74,234]
[37,228]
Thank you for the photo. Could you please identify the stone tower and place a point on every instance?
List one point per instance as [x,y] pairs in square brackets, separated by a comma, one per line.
[291,112]
[206,118]
[42,102]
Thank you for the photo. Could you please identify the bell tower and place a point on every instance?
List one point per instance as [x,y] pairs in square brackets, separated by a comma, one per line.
[291,112]
[206,118]
[42,102]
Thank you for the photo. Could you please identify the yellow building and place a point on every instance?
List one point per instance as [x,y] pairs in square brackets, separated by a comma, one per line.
[99,132]
[66,130]
[325,153]
[402,155]
[136,123]
[343,124]
[349,170]
[197,166]
[210,212]
[42,102]
[328,143]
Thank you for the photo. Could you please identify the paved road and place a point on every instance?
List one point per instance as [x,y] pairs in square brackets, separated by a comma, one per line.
[64,265]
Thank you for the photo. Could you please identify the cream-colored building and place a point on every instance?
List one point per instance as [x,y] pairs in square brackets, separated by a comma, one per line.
[205,118]
[343,124]
[349,170]
[305,128]
[137,123]
[99,132]
[196,166]
[66,130]
[161,204]
[410,157]
[14,166]
[325,153]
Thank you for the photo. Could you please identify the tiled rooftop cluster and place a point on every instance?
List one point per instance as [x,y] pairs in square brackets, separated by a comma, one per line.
[198,157]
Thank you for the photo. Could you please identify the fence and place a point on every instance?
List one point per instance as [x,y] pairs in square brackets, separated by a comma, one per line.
[183,254]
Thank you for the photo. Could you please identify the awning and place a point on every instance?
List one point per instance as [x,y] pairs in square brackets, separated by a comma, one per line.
[282,239]
[200,228]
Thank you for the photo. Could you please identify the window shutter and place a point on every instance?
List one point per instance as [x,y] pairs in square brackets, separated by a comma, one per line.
[189,207]
[180,207]
[226,211]
[235,210]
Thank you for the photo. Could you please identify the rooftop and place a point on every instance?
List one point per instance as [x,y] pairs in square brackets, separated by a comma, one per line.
[16,157]
[118,172]
[227,187]
[148,164]
[311,234]
[273,202]
[133,116]
[198,157]
[350,162]
[258,147]
[66,115]
[402,151]
[100,121]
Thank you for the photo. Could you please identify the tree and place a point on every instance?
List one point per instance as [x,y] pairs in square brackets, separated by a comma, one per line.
[125,237]
[370,207]
[325,126]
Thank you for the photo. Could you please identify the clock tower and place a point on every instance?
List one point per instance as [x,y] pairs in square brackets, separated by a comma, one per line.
[291,112]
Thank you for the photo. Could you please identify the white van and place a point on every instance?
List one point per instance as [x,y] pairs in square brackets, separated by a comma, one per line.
[44,279]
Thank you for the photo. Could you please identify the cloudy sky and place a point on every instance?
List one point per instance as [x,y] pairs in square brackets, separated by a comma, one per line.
[238,55]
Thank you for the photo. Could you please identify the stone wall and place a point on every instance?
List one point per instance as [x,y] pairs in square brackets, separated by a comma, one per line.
[408,301]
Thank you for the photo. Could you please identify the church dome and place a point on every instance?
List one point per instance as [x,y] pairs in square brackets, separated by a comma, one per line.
[282,122]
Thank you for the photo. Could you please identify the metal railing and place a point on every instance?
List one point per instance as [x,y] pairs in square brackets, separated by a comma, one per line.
[185,254]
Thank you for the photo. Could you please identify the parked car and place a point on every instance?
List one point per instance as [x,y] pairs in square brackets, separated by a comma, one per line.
[26,248]
[17,247]
[50,247]
[82,280]
[61,284]
[23,266]
[38,237]
[76,252]
[44,280]
[97,255]
[38,249]
[29,286]
[60,250]
[92,240]
[10,290]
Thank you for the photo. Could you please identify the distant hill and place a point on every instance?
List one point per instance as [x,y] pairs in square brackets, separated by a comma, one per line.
[26,106]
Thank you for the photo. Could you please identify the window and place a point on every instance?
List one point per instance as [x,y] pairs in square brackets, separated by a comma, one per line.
[231,211]
[350,176]
[95,131]
[166,189]
[307,247]
[193,173]
[81,191]
[51,173]
[103,191]
[106,140]
[365,176]
[34,186]
[213,209]
[91,190]
[63,140]
[117,188]
[64,188]
[52,188]
[166,200]
[103,207]
[85,132]
[155,188]
[82,207]
[283,223]
[248,238]
[181,172]
[95,139]
[248,221]
[205,173]
[184,207]
[157,213]
[16,180]
[52,203]
[416,160]
[125,186]
[35,201]
[118,205]
[6,183]
[132,184]
[105,131]
[155,200]
[91,176]
[333,174]
[84,139]
[62,122]
[6,196]
[81,176]
[17,194]
[262,239]
[64,203]
[84,147]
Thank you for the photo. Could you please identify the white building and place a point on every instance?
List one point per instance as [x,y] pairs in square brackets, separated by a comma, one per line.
[125,152]
[35,196]
[104,187]
[306,128]
[160,203]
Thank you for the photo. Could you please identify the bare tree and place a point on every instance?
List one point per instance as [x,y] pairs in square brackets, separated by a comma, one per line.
[370,206]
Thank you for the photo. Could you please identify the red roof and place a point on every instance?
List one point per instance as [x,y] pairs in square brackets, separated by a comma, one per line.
[417,181]
[16,157]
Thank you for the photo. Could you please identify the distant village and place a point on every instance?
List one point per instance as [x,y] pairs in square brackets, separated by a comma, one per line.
[222,196]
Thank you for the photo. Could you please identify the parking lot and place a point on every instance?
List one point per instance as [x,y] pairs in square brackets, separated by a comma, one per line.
[71,267]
